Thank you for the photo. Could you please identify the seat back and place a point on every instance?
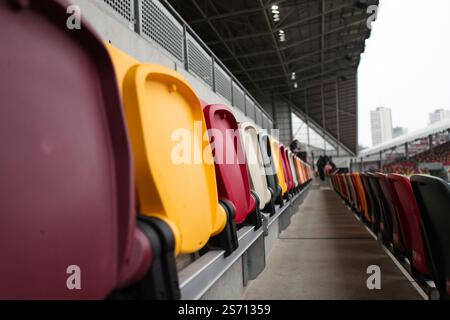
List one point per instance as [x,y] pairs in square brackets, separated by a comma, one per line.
[229,158]
[377,202]
[339,184]
[369,197]
[253,154]
[301,175]
[67,190]
[286,167]
[361,199]
[410,221]
[391,224]
[433,198]
[362,196]
[293,170]
[175,176]
[343,186]
[276,154]
[269,164]
[352,195]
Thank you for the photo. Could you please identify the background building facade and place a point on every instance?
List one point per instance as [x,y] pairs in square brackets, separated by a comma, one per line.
[381,122]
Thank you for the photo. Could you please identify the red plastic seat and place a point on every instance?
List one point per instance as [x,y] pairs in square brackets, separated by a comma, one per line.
[230,164]
[287,168]
[67,188]
[410,222]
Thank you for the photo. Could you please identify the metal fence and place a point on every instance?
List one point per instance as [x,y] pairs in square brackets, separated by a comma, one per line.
[160,23]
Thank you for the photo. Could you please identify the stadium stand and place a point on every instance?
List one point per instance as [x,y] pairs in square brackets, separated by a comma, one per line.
[438,154]
[406,214]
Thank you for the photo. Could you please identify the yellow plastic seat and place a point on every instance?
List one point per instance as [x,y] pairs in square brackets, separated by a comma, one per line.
[275,145]
[164,115]
[301,174]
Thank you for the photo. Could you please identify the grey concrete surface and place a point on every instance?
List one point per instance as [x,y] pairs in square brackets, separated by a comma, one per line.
[324,254]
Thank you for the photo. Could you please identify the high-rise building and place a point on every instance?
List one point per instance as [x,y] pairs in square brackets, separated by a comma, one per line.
[381,120]
[439,115]
[399,131]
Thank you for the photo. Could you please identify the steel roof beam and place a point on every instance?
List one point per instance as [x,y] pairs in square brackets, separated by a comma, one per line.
[275,42]
[294,24]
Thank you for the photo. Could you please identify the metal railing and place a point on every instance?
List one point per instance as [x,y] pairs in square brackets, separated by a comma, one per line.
[158,22]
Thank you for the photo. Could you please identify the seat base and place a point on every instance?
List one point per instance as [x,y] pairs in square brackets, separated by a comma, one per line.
[161,281]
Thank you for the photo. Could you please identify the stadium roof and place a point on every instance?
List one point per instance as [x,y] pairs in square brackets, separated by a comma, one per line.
[437,127]
[307,51]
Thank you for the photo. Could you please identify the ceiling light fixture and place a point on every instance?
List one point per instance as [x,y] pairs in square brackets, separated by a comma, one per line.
[276,13]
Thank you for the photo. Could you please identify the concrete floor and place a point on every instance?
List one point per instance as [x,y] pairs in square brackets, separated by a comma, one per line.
[324,254]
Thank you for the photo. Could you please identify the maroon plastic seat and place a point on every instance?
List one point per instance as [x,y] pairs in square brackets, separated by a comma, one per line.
[376,204]
[67,188]
[410,222]
[230,164]
[287,168]
[389,223]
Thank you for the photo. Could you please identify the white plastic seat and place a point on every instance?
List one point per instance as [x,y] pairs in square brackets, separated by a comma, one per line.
[249,138]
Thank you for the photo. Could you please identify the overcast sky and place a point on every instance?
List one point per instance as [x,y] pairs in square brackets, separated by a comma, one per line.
[406,64]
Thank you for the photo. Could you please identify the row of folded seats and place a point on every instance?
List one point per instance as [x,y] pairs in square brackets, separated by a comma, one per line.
[105,168]
[410,215]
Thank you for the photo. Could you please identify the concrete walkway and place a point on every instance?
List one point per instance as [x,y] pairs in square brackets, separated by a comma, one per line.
[324,254]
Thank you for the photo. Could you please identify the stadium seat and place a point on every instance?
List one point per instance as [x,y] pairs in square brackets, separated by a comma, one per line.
[67,190]
[356,204]
[359,208]
[351,195]
[275,145]
[378,203]
[293,170]
[287,168]
[365,213]
[306,172]
[339,185]
[270,167]
[343,187]
[255,162]
[410,223]
[301,174]
[389,223]
[371,203]
[230,163]
[433,198]
[173,161]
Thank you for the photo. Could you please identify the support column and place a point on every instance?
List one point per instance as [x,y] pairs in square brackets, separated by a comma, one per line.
[430,142]
[307,116]
[283,116]
[337,117]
